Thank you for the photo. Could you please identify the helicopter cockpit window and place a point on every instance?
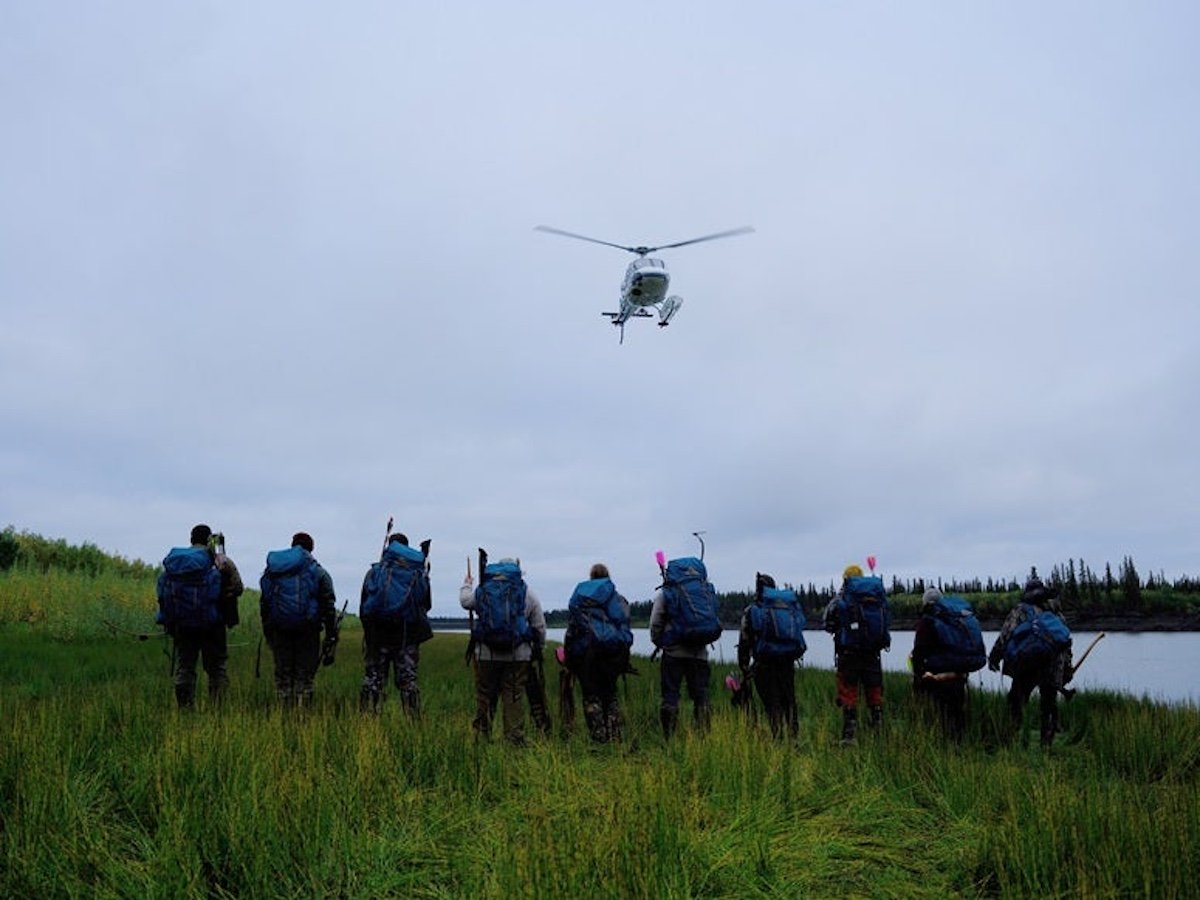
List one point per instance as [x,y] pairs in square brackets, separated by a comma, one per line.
[647,262]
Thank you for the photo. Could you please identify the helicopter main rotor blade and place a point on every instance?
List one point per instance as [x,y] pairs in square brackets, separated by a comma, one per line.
[745,229]
[583,237]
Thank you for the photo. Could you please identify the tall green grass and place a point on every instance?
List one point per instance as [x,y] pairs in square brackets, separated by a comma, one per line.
[106,789]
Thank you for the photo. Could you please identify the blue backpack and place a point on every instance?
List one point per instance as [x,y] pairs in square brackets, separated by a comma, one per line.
[597,619]
[500,621]
[1036,641]
[395,589]
[959,638]
[289,589]
[863,616]
[691,605]
[189,589]
[778,622]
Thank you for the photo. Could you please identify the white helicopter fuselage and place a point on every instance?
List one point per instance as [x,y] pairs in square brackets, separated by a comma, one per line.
[646,283]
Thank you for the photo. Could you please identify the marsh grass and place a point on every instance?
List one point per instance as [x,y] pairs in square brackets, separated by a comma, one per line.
[106,789]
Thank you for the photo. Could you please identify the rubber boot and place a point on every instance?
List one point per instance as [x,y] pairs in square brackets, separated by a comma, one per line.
[593,715]
[411,701]
[669,718]
[849,726]
[1049,729]
[185,696]
[612,721]
[876,716]
[369,701]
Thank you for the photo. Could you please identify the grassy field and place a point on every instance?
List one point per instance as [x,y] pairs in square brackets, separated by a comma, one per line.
[105,789]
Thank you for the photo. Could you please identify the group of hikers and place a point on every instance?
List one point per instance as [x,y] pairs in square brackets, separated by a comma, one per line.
[199,588]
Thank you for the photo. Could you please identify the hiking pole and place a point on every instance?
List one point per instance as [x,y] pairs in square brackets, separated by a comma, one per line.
[137,635]
[387,533]
[1090,648]
[696,535]
[258,658]
[329,645]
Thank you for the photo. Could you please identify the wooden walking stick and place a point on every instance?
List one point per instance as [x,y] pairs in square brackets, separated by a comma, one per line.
[1090,648]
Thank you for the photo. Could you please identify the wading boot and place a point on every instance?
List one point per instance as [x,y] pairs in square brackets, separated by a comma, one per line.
[669,718]
[849,726]
[411,701]
[185,696]
[876,716]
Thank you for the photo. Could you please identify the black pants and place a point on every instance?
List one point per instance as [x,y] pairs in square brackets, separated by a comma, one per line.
[598,674]
[200,644]
[776,684]
[297,656]
[675,672]
[949,702]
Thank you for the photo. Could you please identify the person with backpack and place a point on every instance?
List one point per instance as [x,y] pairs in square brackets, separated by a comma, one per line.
[683,622]
[297,601]
[197,593]
[1034,648]
[394,610]
[597,642]
[769,644]
[859,619]
[947,647]
[508,623]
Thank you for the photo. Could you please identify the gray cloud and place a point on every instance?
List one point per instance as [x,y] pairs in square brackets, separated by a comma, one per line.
[273,268]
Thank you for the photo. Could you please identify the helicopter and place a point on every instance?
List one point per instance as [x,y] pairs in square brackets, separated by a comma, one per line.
[646,279]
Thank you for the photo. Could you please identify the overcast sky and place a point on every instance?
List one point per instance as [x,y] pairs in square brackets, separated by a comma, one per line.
[272,266]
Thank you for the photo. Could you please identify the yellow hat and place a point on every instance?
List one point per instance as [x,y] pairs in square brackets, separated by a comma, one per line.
[852,571]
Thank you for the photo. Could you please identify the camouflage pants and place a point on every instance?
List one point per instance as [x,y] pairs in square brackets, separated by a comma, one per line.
[402,659]
[192,646]
[297,655]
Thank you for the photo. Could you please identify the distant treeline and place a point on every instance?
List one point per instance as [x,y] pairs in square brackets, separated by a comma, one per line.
[1078,586]
[33,552]
[1081,589]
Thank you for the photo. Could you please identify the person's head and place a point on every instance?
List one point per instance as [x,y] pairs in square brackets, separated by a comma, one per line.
[764,580]
[398,537]
[599,570]
[200,535]
[1035,591]
[854,570]
[303,539]
[930,597]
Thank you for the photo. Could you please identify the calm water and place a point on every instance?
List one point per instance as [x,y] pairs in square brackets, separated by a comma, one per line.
[1161,665]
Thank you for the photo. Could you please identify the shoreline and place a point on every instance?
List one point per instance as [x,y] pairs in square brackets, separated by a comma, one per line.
[1115,622]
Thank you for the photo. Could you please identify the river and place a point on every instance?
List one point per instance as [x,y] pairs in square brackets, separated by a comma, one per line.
[1163,666]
